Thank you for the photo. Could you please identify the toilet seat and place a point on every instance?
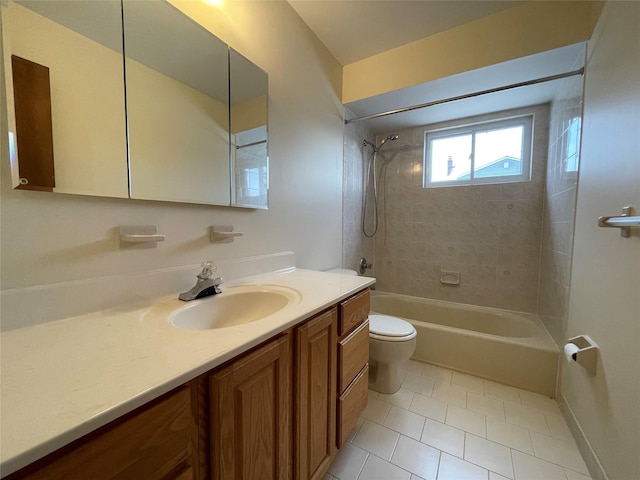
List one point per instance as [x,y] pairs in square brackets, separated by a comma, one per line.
[390,329]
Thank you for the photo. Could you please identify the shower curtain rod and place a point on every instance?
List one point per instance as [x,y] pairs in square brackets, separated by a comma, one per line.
[468,95]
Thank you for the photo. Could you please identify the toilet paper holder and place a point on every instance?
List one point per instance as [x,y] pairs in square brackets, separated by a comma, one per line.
[586,353]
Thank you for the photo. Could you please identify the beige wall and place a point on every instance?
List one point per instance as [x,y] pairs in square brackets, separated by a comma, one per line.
[605,279]
[191,163]
[48,238]
[523,30]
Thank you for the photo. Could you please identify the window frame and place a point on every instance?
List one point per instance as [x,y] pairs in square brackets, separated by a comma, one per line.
[527,121]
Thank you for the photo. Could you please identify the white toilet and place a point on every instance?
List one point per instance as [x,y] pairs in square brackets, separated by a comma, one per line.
[391,342]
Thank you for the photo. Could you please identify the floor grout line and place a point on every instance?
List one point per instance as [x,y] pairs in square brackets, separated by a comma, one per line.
[501,396]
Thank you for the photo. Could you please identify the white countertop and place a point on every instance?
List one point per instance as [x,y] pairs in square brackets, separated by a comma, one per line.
[63,379]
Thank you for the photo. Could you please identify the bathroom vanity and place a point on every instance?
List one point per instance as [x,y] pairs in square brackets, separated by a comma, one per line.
[274,398]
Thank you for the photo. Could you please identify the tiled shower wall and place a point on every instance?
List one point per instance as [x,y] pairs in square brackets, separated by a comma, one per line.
[559,207]
[355,244]
[491,234]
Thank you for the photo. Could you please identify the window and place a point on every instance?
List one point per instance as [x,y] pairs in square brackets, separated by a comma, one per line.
[490,152]
[572,145]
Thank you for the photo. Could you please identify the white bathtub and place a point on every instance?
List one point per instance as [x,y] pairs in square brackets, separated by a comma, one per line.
[508,347]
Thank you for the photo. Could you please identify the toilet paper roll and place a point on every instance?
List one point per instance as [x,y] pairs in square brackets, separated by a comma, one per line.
[570,351]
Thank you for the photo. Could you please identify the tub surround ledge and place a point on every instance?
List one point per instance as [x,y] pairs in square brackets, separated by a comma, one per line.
[63,379]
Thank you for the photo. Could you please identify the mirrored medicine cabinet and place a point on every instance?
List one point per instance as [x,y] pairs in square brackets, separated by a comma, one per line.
[133,100]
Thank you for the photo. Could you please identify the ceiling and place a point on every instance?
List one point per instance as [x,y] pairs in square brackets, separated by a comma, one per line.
[356,29]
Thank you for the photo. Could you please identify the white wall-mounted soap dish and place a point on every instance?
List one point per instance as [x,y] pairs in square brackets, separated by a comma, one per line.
[139,237]
[223,233]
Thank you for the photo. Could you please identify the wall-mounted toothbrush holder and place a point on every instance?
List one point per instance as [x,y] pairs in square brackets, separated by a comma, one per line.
[223,234]
[139,237]
[584,351]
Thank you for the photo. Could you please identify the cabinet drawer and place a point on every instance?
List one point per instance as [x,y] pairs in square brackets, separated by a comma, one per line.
[351,404]
[353,354]
[353,311]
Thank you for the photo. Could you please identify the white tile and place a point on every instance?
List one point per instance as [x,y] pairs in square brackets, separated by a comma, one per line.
[495,476]
[466,420]
[453,395]
[415,477]
[443,437]
[437,374]
[376,410]
[429,407]
[526,417]
[527,467]
[467,382]
[510,435]
[373,394]
[418,384]
[348,462]
[491,407]
[488,454]
[501,392]
[417,458]
[453,468]
[539,402]
[328,477]
[561,452]
[571,475]
[376,439]
[402,398]
[412,366]
[405,422]
[377,469]
[558,427]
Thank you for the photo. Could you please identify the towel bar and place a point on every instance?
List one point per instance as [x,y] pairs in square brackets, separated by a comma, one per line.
[624,222]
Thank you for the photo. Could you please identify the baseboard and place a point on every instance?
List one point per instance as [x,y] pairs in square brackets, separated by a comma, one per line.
[584,446]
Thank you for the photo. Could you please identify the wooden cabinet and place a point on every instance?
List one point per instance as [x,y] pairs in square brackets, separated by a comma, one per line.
[315,394]
[353,311]
[156,441]
[353,355]
[353,366]
[351,404]
[251,415]
[277,412]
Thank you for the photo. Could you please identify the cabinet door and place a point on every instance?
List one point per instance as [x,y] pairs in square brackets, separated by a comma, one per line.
[251,415]
[156,442]
[315,394]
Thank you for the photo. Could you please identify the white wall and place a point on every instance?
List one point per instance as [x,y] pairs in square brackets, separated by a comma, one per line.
[605,283]
[48,238]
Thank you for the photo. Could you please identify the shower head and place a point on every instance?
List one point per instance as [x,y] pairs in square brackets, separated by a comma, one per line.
[393,136]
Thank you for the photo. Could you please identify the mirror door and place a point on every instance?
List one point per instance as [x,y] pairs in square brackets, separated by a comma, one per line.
[65,97]
[177,81]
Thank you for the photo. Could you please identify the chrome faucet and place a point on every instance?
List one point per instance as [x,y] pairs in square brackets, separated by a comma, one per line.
[206,285]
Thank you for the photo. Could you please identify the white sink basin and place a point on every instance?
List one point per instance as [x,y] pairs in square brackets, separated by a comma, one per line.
[236,305]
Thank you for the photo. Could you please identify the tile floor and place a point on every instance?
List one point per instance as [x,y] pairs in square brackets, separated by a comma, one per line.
[445,425]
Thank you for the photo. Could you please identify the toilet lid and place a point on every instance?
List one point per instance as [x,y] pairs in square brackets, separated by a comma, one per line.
[386,326]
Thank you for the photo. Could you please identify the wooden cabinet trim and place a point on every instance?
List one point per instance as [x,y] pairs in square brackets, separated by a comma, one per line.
[351,404]
[315,394]
[353,311]
[353,354]
[254,391]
